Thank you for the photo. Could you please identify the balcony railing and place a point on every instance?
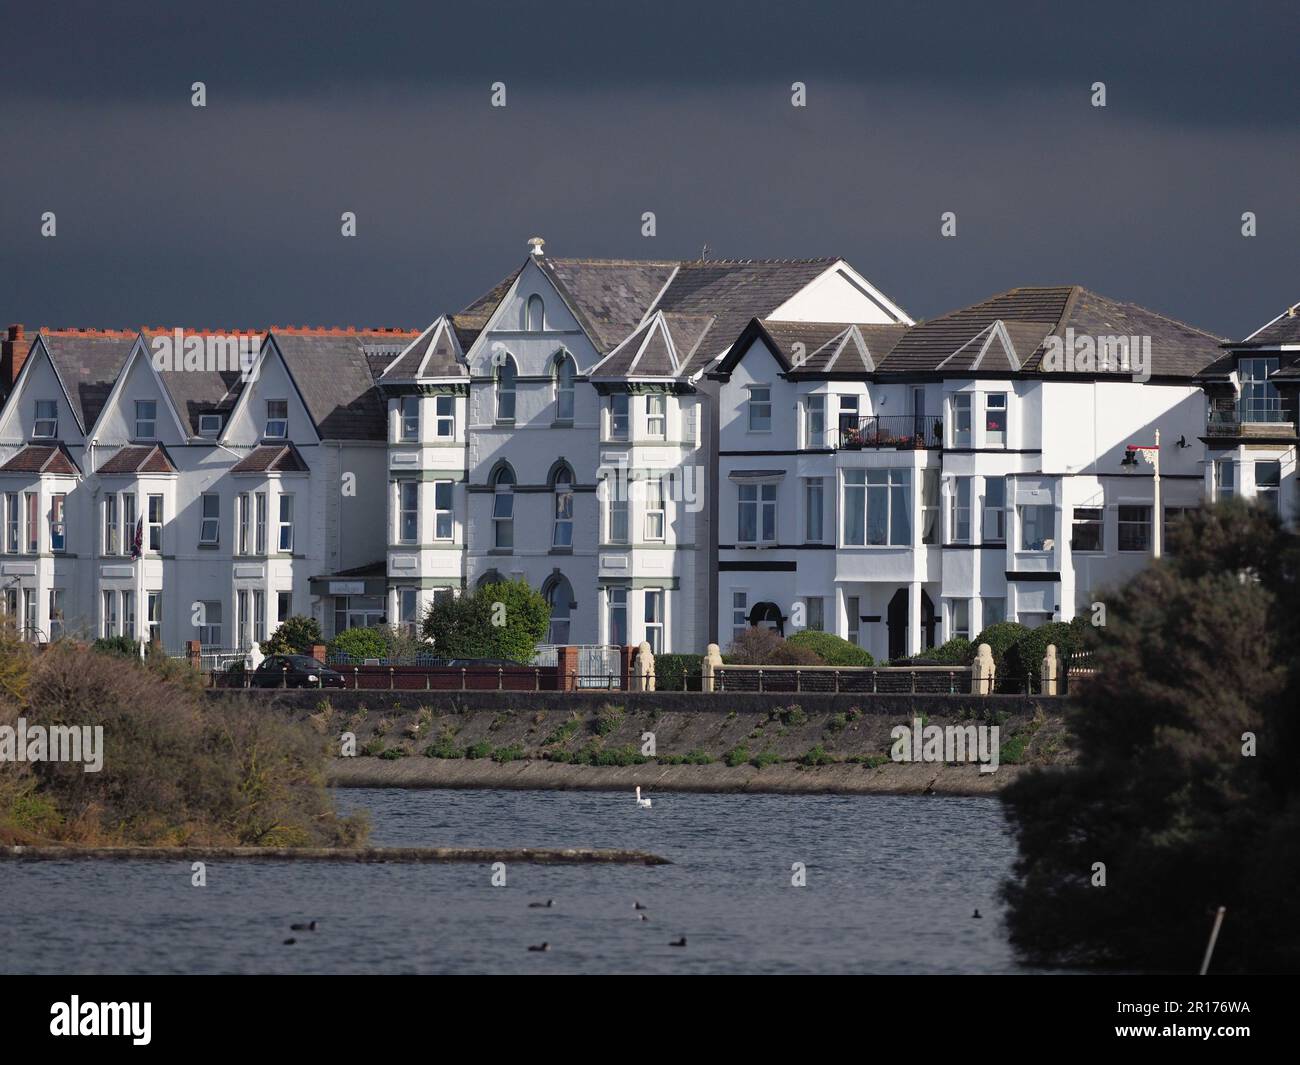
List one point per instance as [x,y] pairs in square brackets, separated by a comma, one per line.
[1255,423]
[906,432]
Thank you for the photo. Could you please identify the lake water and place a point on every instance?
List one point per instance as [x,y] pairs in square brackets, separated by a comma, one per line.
[891,885]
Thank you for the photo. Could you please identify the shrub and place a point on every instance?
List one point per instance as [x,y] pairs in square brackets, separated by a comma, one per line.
[816,756]
[482,749]
[608,719]
[1025,656]
[360,643]
[444,748]
[513,753]
[831,649]
[764,758]
[393,753]
[177,768]
[462,626]
[758,646]
[295,636]
[625,755]
[122,646]
[672,670]
[736,756]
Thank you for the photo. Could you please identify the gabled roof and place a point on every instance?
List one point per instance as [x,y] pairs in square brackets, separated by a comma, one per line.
[196,392]
[662,348]
[434,354]
[1013,326]
[816,348]
[1284,329]
[139,458]
[613,299]
[333,373]
[87,362]
[272,458]
[42,458]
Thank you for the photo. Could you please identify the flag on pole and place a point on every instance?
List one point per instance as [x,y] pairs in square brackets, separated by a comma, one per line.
[137,543]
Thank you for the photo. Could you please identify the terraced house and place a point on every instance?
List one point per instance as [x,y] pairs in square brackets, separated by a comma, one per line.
[193,503]
[901,485]
[669,450]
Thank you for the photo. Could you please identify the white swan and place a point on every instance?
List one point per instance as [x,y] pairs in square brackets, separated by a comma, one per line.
[640,801]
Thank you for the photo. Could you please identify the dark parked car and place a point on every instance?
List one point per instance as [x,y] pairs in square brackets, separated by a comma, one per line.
[296,671]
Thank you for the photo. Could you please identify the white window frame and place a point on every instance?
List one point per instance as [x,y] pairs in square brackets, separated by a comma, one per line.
[656,515]
[408,418]
[444,506]
[618,411]
[153,541]
[655,605]
[758,408]
[210,519]
[284,532]
[146,424]
[656,416]
[961,409]
[45,424]
[444,417]
[506,391]
[58,522]
[814,424]
[408,512]
[277,424]
[763,506]
[990,411]
[814,510]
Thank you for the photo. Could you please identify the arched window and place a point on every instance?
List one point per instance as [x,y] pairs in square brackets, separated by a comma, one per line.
[535,315]
[492,576]
[506,376]
[559,594]
[564,374]
[503,508]
[563,536]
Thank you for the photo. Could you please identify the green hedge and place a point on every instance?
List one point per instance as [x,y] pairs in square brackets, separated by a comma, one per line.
[831,649]
[671,669]
[956,652]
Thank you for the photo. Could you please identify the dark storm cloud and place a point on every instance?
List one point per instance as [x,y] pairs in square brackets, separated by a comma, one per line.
[230,214]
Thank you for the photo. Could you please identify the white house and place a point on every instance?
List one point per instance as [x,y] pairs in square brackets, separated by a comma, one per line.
[669,450]
[903,485]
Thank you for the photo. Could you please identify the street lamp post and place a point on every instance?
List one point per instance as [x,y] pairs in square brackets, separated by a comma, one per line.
[1151,452]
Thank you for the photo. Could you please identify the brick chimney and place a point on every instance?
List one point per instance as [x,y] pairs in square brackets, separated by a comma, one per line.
[13,352]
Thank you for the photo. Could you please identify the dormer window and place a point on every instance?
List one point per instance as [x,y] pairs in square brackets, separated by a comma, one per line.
[46,425]
[146,419]
[277,419]
[209,425]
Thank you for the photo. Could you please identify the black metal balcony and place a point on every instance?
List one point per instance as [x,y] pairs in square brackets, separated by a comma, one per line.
[904,432]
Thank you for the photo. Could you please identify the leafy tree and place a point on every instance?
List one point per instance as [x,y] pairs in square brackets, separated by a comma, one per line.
[294,636]
[360,643]
[505,620]
[831,649]
[1200,653]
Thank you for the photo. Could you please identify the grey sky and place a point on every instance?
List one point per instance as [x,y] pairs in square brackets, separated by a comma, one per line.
[229,215]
